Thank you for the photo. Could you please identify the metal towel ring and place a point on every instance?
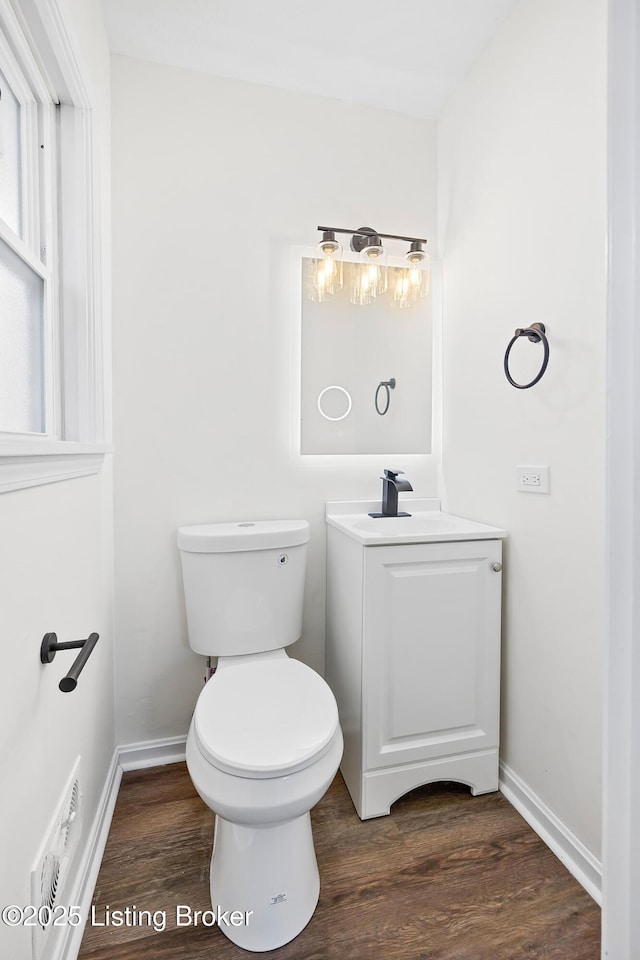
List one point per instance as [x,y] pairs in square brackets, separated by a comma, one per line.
[386,384]
[535,333]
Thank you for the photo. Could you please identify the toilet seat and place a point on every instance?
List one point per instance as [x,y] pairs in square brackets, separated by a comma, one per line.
[265,719]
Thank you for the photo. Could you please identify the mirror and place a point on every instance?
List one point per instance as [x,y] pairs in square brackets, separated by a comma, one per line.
[366,373]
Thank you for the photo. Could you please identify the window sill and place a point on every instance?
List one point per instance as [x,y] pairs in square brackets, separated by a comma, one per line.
[32,463]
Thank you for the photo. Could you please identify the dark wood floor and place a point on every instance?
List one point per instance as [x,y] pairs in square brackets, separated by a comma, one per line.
[446,877]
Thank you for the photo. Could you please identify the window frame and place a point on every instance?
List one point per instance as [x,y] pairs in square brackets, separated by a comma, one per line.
[75,440]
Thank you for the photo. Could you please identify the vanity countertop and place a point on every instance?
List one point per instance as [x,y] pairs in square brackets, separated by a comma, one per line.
[427,523]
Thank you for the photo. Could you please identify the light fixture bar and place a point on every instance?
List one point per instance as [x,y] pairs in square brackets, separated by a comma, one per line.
[369,231]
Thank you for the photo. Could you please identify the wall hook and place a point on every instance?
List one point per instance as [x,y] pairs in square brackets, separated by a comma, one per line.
[535,333]
[50,646]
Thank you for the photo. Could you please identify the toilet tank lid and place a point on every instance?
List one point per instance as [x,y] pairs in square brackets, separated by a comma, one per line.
[242,535]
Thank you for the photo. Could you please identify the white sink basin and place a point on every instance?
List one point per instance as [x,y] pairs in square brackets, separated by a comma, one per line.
[427,523]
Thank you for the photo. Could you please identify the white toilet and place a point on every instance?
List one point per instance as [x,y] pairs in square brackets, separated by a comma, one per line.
[265,742]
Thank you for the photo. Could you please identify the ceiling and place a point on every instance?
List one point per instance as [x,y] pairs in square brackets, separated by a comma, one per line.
[406,56]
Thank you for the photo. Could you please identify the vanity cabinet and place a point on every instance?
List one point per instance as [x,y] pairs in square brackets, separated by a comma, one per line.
[413,657]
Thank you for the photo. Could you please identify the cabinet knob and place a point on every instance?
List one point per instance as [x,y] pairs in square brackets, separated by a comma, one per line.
[497,566]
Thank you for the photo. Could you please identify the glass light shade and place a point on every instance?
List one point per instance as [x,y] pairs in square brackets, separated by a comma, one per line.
[318,285]
[331,263]
[327,270]
[400,289]
[361,291]
[369,274]
[374,262]
[418,274]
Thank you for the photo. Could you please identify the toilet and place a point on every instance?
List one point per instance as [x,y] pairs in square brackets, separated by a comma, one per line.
[265,742]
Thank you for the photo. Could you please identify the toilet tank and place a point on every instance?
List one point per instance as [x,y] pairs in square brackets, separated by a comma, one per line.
[243,584]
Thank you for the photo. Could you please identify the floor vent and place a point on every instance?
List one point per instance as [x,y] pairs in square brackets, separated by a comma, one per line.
[51,869]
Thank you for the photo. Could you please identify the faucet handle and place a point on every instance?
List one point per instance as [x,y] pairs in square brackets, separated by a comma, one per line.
[391,474]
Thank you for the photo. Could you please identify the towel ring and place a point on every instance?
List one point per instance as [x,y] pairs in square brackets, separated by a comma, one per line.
[386,385]
[535,333]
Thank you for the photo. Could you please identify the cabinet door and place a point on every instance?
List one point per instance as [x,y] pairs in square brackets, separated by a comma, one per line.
[431,665]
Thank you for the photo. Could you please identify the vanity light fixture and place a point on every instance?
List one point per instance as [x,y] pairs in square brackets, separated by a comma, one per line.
[369,277]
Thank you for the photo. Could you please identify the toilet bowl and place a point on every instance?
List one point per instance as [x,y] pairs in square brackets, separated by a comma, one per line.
[262,780]
[265,742]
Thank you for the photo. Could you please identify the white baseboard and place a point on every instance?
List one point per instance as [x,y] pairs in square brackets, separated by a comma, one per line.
[152,753]
[69,945]
[578,860]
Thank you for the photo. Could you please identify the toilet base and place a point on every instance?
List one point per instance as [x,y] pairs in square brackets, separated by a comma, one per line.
[264,880]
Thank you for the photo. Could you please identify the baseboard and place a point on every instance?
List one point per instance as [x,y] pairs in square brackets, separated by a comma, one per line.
[578,860]
[82,893]
[152,753]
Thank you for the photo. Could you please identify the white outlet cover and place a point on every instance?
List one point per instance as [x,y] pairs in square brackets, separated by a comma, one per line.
[533,479]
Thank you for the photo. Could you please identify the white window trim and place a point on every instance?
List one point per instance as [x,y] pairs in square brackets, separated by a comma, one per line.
[29,460]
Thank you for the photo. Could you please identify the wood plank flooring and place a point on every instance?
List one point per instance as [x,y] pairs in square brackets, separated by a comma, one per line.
[447,876]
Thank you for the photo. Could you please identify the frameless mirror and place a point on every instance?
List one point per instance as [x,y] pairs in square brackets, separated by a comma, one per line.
[366,373]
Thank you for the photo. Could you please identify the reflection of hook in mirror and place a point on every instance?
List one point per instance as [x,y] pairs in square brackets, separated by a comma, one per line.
[388,385]
[334,405]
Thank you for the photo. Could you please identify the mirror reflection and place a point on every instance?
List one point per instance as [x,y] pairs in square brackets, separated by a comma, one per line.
[366,371]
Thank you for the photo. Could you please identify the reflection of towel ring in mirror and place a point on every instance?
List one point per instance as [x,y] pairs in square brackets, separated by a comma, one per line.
[535,333]
[386,384]
[334,386]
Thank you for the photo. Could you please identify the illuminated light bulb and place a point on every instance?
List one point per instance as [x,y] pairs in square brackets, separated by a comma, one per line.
[360,286]
[318,282]
[401,289]
[418,271]
[324,276]
[368,280]
[329,272]
[375,265]
[324,285]
[375,278]
[369,276]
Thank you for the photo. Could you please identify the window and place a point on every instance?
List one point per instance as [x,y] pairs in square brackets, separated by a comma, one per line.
[51,369]
[28,226]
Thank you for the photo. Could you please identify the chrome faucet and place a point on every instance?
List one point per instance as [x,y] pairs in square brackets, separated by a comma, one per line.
[391,486]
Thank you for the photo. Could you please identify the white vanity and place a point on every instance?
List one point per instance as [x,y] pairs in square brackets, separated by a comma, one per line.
[413,649]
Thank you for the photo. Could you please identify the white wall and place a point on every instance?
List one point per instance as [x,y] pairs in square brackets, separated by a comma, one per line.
[214,180]
[521,199]
[56,575]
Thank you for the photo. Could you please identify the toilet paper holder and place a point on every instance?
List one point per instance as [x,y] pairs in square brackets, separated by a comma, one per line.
[50,646]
